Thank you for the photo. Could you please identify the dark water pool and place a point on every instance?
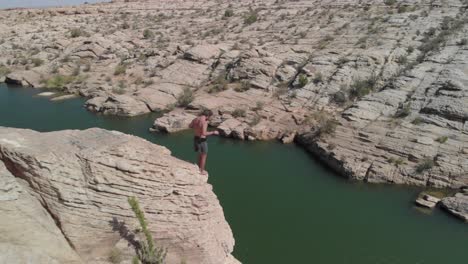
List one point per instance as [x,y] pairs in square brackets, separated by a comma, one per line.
[282,205]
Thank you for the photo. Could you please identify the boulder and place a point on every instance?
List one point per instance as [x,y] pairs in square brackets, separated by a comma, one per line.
[64,199]
[121,105]
[24,78]
[203,53]
[173,122]
[457,205]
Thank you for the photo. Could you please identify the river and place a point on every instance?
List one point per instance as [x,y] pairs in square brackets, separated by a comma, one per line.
[282,205]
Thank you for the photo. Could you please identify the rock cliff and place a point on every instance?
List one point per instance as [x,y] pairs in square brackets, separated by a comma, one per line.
[64,199]
[378,89]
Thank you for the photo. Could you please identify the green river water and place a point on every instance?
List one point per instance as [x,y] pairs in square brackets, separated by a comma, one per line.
[282,205]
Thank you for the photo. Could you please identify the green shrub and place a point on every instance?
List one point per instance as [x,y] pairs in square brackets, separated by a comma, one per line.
[339,97]
[37,62]
[403,111]
[147,252]
[120,69]
[402,59]
[125,25]
[258,106]
[255,120]
[228,13]
[303,81]
[417,121]
[185,98]
[78,32]
[250,18]
[58,81]
[442,139]
[362,87]
[219,84]
[243,86]
[318,78]
[239,112]
[390,2]
[148,34]
[327,127]
[425,164]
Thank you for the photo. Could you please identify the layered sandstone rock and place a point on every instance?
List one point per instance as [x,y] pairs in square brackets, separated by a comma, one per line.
[457,205]
[394,76]
[64,199]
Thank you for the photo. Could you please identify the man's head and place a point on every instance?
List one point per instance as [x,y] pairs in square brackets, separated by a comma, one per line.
[207,113]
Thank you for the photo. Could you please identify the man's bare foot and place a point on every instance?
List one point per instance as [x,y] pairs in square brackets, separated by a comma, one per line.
[204,172]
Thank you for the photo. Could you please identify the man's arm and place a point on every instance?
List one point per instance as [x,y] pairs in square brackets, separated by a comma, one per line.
[205,130]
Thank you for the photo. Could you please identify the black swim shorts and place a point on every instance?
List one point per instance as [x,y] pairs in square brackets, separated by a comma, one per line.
[200,145]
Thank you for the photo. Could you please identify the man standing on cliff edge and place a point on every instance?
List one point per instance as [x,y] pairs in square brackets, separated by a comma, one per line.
[200,128]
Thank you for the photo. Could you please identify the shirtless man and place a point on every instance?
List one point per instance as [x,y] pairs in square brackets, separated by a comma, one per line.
[200,128]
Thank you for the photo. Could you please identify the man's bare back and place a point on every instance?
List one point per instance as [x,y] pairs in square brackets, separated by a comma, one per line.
[199,126]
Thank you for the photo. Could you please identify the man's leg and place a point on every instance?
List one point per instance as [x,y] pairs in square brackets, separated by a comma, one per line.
[202,162]
[199,160]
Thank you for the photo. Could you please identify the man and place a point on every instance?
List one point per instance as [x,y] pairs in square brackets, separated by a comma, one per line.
[200,128]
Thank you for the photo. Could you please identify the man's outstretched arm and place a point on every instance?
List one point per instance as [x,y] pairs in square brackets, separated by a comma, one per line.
[205,131]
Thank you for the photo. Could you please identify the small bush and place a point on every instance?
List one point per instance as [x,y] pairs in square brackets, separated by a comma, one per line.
[58,81]
[362,87]
[402,59]
[228,13]
[318,78]
[78,32]
[339,97]
[255,120]
[239,113]
[403,111]
[148,34]
[390,2]
[243,86]
[259,106]
[185,98]
[442,139]
[417,121]
[219,84]
[250,18]
[424,165]
[327,127]
[37,62]
[303,81]
[125,25]
[120,69]
[147,252]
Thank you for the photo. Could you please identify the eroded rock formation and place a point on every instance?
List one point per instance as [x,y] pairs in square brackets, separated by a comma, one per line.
[64,199]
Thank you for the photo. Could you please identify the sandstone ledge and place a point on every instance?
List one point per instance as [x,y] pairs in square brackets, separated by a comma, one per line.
[78,182]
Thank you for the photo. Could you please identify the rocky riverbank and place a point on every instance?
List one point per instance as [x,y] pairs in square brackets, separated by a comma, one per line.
[64,200]
[376,89]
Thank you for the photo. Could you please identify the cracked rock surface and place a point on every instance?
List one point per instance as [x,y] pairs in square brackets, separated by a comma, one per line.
[64,197]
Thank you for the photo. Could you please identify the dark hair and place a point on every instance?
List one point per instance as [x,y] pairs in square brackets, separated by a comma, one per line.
[206,112]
